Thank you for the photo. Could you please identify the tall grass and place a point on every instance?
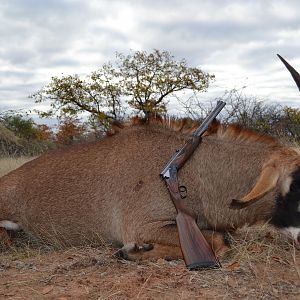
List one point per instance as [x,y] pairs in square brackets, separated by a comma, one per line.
[8,164]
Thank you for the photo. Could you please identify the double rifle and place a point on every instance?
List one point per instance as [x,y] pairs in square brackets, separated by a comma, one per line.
[196,251]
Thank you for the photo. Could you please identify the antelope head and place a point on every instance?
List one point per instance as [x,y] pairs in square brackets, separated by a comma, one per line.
[281,171]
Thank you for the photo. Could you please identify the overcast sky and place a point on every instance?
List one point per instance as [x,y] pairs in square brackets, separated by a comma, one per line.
[235,40]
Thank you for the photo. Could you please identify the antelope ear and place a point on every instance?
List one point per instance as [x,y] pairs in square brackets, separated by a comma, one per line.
[266,182]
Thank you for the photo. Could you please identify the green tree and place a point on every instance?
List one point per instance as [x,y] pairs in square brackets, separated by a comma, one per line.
[150,79]
[22,126]
[20,135]
[99,95]
[250,112]
[144,81]
[289,125]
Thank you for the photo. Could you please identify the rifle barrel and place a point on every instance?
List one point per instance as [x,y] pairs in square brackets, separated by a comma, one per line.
[206,122]
[198,132]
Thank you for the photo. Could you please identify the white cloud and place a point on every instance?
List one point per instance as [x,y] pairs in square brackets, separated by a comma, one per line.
[236,40]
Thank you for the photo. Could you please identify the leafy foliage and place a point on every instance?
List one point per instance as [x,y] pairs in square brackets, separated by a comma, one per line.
[25,127]
[290,124]
[21,126]
[44,132]
[98,95]
[250,112]
[19,135]
[69,131]
[144,81]
[150,79]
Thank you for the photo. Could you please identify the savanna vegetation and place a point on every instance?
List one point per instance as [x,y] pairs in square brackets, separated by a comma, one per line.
[141,83]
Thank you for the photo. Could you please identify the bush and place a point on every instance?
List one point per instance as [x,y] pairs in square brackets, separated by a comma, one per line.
[19,135]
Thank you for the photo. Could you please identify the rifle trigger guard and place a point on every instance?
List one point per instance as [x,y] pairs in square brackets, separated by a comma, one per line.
[183,191]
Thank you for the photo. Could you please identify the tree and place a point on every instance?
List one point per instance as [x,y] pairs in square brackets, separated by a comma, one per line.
[149,80]
[99,95]
[289,125]
[70,130]
[21,125]
[145,82]
[44,132]
[20,135]
[250,112]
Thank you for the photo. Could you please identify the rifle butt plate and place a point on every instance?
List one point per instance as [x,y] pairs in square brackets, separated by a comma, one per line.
[204,265]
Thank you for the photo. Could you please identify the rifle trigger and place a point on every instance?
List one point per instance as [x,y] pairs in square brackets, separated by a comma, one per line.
[183,191]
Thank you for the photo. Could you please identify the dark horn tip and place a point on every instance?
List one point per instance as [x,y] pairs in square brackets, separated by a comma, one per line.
[280,57]
[294,73]
[237,204]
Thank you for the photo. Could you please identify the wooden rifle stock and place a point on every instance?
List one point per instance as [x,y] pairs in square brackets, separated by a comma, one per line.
[196,251]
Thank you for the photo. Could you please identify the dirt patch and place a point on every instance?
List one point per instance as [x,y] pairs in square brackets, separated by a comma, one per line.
[261,265]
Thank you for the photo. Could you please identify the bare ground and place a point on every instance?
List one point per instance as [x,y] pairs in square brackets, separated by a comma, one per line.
[261,265]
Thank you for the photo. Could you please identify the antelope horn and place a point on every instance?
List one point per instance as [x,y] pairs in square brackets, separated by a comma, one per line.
[293,72]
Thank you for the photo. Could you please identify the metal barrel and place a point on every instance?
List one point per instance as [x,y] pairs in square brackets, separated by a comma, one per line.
[206,122]
[198,132]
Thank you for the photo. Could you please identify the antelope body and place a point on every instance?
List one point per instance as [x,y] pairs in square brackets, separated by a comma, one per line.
[112,189]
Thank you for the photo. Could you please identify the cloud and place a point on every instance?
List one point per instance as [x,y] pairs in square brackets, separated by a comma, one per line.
[235,40]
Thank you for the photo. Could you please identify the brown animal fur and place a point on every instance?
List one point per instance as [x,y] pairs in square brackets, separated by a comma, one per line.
[112,188]
[275,171]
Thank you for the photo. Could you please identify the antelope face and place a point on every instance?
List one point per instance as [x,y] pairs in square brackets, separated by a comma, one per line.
[287,212]
[290,205]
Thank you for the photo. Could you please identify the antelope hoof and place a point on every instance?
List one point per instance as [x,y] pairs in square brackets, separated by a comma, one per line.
[147,247]
[132,248]
[238,204]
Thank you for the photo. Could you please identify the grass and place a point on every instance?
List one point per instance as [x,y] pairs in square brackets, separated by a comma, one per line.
[261,264]
[8,164]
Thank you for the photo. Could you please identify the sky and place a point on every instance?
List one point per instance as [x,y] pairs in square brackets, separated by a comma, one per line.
[237,41]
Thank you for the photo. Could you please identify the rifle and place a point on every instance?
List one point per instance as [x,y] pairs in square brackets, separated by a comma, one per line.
[196,251]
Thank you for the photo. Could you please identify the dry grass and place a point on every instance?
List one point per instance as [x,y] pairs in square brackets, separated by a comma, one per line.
[8,164]
[262,264]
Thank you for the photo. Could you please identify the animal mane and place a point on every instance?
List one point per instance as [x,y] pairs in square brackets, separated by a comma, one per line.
[231,132]
[182,125]
[235,132]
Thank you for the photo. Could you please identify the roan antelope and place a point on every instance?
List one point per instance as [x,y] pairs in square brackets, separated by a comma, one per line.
[112,189]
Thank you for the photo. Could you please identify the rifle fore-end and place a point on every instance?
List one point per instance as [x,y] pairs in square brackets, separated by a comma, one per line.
[187,151]
[181,156]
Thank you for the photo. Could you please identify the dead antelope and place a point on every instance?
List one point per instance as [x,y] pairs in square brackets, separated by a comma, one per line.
[112,189]
[276,168]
